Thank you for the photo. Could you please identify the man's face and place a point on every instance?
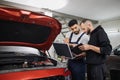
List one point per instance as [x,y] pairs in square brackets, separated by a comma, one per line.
[85,28]
[75,29]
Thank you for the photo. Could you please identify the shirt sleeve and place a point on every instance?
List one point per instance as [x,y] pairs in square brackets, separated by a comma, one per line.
[84,39]
[68,35]
[105,46]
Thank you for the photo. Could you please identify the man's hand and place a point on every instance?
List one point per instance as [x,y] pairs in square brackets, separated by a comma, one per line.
[81,55]
[72,45]
[85,47]
[66,40]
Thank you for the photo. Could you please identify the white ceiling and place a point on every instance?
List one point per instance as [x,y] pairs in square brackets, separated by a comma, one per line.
[92,9]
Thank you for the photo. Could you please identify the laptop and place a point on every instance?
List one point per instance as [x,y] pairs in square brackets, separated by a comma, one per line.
[63,49]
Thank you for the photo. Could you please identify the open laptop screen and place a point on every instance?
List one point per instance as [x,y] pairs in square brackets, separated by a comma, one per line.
[62,50]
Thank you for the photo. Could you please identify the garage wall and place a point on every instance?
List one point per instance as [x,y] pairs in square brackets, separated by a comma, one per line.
[112,27]
[64,21]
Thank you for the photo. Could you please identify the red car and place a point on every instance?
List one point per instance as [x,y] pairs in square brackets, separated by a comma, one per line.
[25,36]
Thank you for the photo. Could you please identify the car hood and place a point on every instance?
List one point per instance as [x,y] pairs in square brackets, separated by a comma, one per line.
[26,28]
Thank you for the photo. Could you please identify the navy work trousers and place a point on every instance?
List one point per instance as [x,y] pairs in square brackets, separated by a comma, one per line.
[77,68]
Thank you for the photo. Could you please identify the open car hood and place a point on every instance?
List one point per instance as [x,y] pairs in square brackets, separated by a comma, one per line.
[26,28]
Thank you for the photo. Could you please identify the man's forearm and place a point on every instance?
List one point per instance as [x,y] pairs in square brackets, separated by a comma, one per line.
[94,48]
[72,45]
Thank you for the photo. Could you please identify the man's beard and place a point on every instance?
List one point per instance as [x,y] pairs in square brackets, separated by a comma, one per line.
[77,32]
[88,32]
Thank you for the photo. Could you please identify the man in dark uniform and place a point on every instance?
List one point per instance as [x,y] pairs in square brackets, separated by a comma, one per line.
[96,50]
[73,38]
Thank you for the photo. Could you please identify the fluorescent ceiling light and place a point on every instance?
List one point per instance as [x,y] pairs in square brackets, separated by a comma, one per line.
[48,4]
[112,30]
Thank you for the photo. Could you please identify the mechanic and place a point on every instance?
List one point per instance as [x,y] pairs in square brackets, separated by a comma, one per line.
[73,38]
[97,49]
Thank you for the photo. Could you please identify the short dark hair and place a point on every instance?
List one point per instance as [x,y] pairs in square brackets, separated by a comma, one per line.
[72,22]
[84,20]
